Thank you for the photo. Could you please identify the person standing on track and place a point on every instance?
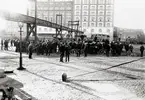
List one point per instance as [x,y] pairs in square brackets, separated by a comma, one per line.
[67,52]
[62,50]
[30,50]
[141,50]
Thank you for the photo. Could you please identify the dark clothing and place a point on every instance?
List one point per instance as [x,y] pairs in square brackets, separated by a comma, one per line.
[142,50]
[67,53]
[62,50]
[107,50]
[30,50]
[131,48]
[79,46]
[85,50]
[2,44]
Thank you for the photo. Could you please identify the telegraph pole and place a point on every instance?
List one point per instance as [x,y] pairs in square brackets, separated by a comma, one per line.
[35,20]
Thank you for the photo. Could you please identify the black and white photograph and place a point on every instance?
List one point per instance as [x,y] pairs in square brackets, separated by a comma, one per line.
[72,50]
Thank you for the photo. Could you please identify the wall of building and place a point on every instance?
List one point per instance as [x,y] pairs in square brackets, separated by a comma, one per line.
[95,16]
[49,9]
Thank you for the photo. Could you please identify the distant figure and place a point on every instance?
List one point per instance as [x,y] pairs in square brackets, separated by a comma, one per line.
[62,50]
[6,44]
[2,44]
[131,48]
[85,49]
[107,46]
[30,50]
[67,52]
[142,50]
[127,48]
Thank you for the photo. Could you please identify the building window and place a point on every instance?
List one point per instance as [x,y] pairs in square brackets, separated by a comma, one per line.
[45,29]
[85,1]
[92,12]
[84,24]
[39,29]
[92,24]
[85,19]
[85,13]
[93,7]
[77,13]
[92,19]
[101,1]
[108,1]
[100,24]
[108,24]
[85,7]
[77,1]
[77,18]
[92,30]
[77,7]
[108,19]
[93,1]
[108,13]
[108,30]
[108,7]
[84,30]
[100,19]
[100,13]
[101,7]
[50,29]
[100,30]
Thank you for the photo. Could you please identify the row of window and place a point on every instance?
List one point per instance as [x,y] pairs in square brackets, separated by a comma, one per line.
[93,18]
[93,13]
[93,7]
[76,7]
[60,12]
[93,1]
[100,30]
[101,12]
[60,4]
[93,24]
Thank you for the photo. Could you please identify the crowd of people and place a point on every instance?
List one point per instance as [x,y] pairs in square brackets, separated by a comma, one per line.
[66,47]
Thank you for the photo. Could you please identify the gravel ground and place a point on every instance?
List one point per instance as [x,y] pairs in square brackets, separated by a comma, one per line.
[89,78]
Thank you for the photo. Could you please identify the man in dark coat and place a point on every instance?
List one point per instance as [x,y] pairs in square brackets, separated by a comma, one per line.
[67,52]
[85,49]
[30,50]
[142,50]
[107,49]
[62,50]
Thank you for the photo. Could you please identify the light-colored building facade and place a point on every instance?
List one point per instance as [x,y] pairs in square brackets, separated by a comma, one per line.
[95,16]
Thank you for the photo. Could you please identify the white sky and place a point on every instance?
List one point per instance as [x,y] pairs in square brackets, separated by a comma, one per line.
[127,13]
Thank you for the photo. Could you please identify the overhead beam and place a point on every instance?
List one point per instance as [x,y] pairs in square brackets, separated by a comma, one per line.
[16,17]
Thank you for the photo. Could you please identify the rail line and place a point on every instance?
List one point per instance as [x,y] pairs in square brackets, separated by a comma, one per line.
[107,68]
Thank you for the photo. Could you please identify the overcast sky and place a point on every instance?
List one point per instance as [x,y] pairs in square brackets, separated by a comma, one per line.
[129,13]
